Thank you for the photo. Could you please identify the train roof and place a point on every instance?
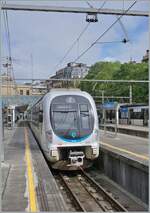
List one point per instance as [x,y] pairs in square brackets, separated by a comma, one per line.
[64,90]
[60,91]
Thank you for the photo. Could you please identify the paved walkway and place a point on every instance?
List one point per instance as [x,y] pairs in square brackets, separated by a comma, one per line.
[27,182]
[132,127]
[133,147]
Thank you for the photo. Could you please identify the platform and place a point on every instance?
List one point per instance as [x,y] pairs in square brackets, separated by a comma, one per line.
[27,182]
[128,129]
[125,160]
[132,147]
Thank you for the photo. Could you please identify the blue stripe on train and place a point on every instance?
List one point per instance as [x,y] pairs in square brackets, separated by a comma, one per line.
[74,140]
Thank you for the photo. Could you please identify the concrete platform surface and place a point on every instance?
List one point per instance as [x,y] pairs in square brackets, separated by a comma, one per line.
[28,184]
[132,147]
[139,131]
[132,127]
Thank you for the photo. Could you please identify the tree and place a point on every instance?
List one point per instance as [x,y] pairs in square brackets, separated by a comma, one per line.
[118,71]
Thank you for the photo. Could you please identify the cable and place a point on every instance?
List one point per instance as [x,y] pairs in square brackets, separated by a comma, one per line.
[102,5]
[68,51]
[9,44]
[104,33]
[89,4]
[124,30]
[105,42]
[8,41]
[77,40]
[5,25]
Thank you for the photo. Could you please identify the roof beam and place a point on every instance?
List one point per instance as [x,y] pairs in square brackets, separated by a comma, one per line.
[48,8]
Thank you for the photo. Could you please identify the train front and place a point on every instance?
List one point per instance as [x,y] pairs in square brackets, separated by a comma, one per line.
[75,131]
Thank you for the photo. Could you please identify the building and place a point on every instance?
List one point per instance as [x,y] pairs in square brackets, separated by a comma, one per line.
[78,70]
[39,88]
[146,56]
[71,71]
[11,88]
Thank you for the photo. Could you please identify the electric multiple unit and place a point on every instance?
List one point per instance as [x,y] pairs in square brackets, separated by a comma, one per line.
[65,123]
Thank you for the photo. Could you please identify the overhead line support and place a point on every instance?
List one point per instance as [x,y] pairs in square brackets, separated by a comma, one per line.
[48,8]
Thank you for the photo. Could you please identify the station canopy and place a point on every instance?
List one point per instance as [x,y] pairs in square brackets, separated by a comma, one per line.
[110,105]
[20,100]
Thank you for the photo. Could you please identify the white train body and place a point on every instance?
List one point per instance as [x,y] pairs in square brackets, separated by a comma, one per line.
[65,122]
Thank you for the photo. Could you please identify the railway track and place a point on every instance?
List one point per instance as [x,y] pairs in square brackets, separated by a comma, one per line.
[87,195]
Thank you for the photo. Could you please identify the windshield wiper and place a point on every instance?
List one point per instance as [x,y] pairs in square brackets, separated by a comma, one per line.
[85,114]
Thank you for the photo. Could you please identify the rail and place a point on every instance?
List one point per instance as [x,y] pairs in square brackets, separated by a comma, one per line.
[78,204]
[88,195]
[107,196]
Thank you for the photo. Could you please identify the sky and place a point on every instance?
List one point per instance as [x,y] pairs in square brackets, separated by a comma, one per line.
[47,37]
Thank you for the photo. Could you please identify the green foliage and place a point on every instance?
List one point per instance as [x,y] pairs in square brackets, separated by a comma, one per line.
[118,71]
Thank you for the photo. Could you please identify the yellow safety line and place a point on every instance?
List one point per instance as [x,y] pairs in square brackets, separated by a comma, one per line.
[30,177]
[126,151]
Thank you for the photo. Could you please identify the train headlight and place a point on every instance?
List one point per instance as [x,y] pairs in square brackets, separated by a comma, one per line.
[49,135]
[54,153]
[94,151]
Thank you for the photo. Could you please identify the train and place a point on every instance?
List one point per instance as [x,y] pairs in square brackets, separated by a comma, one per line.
[135,114]
[65,123]
[128,114]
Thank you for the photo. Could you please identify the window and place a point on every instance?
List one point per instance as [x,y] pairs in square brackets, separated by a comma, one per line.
[21,92]
[27,92]
[65,120]
[84,113]
[71,116]
[64,116]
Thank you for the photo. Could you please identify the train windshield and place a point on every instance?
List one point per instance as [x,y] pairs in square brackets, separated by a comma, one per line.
[72,117]
[64,118]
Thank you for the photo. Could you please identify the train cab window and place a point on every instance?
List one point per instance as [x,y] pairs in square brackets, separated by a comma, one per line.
[64,117]
[71,116]
[84,114]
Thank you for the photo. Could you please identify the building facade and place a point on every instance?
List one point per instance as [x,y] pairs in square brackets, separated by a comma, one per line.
[11,88]
[71,71]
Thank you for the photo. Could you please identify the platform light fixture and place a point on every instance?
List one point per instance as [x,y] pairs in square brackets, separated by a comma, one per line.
[91,17]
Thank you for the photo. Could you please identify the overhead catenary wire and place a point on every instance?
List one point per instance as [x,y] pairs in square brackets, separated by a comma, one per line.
[124,30]
[8,41]
[90,5]
[71,47]
[7,33]
[105,42]
[78,38]
[86,50]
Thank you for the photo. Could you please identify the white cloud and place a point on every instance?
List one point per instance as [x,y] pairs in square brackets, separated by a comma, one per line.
[111,59]
[48,35]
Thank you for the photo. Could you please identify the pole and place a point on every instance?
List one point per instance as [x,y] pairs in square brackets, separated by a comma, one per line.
[32,71]
[103,103]
[117,119]
[104,121]
[1,105]
[1,125]
[130,93]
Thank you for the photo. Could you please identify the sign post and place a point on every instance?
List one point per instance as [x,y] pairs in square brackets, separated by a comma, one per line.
[111,106]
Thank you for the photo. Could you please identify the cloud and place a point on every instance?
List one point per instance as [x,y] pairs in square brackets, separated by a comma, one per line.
[47,36]
[110,59]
